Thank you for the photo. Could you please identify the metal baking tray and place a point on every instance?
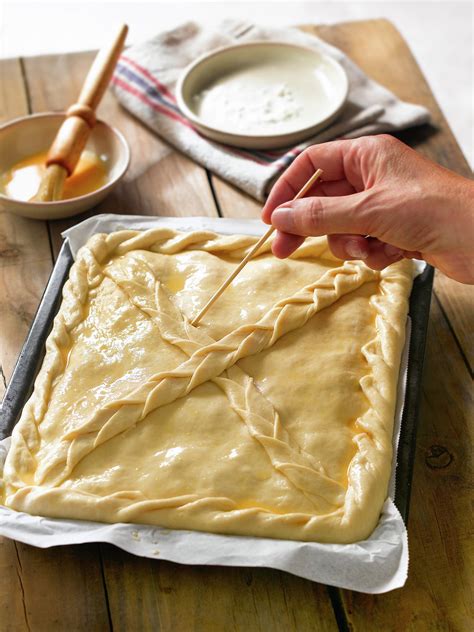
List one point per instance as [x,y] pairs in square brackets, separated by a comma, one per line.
[31,357]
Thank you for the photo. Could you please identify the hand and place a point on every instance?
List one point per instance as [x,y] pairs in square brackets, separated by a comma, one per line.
[377,186]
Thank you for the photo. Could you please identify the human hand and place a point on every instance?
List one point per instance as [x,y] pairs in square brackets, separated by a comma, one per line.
[377,186]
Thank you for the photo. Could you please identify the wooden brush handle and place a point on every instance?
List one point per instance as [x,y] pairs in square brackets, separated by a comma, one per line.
[69,143]
[72,136]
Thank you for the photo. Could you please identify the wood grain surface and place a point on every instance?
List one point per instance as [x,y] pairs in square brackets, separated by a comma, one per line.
[63,587]
[100,587]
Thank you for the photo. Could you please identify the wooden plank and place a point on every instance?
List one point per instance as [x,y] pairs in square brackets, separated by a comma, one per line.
[13,96]
[20,293]
[233,202]
[436,595]
[33,578]
[23,243]
[23,246]
[160,180]
[62,589]
[166,596]
[12,602]
[458,305]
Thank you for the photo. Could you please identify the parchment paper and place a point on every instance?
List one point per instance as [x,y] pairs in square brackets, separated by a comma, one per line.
[376,565]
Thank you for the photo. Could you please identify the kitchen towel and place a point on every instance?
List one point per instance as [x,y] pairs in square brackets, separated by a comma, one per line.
[146,77]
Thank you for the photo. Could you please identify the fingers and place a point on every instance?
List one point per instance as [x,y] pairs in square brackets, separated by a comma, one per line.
[337,188]
[365,190]
[327,215]
[376,254]
[359,162]
[285,244]
[321,188]
[381,255]
[327,156]
[349,246]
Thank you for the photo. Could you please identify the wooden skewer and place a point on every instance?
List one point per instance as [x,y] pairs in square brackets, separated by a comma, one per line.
[252,253]
[72,136]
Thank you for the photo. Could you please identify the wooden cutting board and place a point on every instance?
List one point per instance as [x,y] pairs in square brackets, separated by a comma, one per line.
[99,587]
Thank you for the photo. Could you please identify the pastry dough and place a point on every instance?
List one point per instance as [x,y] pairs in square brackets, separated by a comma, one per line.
[273,417]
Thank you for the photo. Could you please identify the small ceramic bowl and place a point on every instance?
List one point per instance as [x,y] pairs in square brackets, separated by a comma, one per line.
[33,134]
[266,80]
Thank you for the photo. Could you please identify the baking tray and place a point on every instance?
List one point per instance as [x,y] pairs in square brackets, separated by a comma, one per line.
[31,356]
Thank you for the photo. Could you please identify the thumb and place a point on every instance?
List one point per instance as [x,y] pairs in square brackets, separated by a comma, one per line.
[325,215]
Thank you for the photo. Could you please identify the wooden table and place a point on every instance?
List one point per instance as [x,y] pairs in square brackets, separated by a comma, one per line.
[97,587]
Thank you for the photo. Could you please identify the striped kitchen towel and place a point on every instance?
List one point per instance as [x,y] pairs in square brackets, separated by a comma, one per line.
[146,76]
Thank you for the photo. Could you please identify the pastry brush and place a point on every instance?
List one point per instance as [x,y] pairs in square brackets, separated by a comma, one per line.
[73,134]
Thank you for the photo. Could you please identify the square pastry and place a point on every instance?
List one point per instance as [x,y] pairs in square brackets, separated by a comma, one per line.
[273,417]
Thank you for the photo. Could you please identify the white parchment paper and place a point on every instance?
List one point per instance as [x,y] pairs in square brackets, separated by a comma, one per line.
[376,565]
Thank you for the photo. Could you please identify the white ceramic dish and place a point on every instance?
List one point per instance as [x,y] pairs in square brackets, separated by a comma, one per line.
[32,134]
[262,95]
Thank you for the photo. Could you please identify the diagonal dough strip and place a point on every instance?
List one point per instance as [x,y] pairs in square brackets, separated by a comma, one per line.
[207,363]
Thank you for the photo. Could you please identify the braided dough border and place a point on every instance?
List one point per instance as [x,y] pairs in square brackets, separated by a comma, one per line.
[31,488]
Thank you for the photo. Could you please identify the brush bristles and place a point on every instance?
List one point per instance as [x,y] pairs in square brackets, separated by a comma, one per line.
[52,184]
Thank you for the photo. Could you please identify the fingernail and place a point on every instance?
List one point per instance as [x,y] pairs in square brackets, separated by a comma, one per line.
[263,213]
[392,251]
[355,250]
[281,217]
